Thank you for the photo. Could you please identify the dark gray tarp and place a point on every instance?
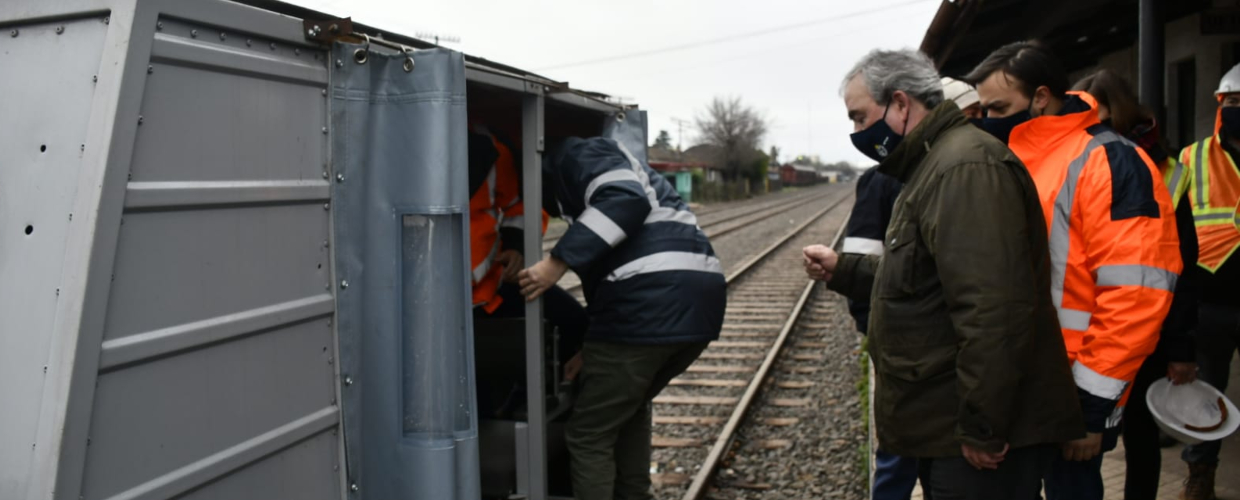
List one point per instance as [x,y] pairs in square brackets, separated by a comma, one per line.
[401,228]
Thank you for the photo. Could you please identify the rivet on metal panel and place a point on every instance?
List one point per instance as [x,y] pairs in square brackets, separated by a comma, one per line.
[60,29]
[324,92]
[324,174]
[335,467]
[107,20]
[159,26]
[150,69]
[408,64]
[83,147]
[353,487]
[334,28]
[139,119]
[57,294]
[344,284]
[325,245]
[348,380]
[327,206]
[340,178]
[249,42]
[272,45]
[339,63]
[14,33]
[324,130]
[193,33]
[296,52]
[333,401]
[223,36]
[94,78]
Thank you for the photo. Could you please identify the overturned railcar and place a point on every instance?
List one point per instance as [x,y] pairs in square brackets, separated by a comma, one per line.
[234,257]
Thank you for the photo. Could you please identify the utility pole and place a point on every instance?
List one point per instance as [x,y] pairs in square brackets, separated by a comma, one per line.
[680,133]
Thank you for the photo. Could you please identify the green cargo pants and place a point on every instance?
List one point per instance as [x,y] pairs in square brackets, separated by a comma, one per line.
[608,434]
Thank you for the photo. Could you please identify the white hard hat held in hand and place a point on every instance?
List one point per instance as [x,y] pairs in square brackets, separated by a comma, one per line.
[1192,413]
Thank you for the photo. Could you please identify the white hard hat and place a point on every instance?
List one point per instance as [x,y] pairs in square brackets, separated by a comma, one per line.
[1230,82]
[1191,413]
[962,93]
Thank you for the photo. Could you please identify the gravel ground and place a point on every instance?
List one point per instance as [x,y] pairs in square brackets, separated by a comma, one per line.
[821,457]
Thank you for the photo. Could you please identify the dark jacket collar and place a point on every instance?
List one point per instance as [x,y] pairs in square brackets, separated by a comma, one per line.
[903,162]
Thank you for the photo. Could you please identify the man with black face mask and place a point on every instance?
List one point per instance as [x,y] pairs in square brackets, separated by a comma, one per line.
[969,362]
[1213,188]
[1115,255]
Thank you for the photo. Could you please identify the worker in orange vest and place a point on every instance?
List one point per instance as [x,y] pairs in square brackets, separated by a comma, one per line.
[1211,182]
[1115,255]
[496,222]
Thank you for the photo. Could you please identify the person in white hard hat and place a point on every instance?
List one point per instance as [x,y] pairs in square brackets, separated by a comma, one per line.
[965,96]
[1211,182]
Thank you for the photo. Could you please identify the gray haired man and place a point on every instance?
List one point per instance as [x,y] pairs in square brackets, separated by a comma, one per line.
[965,341]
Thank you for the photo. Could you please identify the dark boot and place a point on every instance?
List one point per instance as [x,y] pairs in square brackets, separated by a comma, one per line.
[1200,482]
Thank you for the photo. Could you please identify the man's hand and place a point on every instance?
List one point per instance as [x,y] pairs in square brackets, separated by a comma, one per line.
[820,261]
[512,261]
[1083,449]
[982,460]
[540,277]
[573,367]
[1181,373]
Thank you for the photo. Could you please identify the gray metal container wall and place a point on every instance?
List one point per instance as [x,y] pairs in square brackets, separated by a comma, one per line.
[165,306]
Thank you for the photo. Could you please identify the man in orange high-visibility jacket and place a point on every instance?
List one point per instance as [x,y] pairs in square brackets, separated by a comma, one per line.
[496,219]
[1211,181]
[1114,250]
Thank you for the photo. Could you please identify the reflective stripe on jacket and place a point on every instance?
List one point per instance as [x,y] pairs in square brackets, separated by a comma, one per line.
[1114,251]
[495,207]
[1214,191]
[648,271]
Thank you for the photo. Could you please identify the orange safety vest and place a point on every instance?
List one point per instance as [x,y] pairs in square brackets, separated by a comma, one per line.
[1113,269]
[1213,187]
[496,204]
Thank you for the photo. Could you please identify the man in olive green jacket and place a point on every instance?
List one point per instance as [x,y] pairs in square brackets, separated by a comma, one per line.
[965,341]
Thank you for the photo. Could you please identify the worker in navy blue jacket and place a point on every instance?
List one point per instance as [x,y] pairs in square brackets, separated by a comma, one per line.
[655,294]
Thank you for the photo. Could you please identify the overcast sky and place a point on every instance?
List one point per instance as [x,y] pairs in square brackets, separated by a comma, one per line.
[785,58]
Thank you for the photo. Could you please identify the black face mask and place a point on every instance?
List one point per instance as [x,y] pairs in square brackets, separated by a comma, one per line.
[1231,121]
[977,122]
[1001,128]
[878,140]
[1107,122]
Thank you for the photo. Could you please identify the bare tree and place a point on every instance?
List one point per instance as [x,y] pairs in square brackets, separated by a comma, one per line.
[735,130]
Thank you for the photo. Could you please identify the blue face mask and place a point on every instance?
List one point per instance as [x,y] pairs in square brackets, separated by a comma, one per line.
[878,140]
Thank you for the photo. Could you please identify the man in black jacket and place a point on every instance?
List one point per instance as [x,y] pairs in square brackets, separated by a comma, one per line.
[656,295]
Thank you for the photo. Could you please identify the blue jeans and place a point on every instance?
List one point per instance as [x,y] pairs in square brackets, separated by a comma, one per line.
[1218,336]
[1080,480]
[894,477]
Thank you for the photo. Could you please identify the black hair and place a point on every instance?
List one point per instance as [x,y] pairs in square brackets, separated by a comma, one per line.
[1029,63]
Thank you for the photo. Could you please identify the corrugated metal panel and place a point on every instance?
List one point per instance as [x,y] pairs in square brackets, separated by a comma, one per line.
[45,96]
[217,367]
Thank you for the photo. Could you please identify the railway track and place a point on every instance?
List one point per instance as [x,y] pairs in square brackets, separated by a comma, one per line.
[696,419]
[725,220]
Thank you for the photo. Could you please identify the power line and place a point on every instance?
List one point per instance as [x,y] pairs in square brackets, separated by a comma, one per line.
[730,38]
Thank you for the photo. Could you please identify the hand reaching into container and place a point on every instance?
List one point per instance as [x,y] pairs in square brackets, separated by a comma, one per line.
[540,277]
[512,261]
[573,367]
